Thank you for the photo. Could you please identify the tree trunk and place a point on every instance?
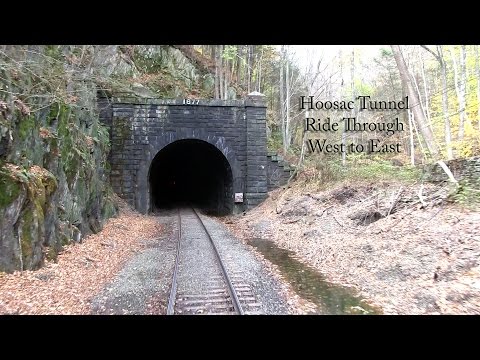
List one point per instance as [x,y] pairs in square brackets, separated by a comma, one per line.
[425,88]
[352,88]
[460,89]
[463,85]
[446,118]
[414,101]
[282,97]
[412,145]
[216,85]
[415,83]
[233,66]
[477,68]
[220,70]
[418,135]
[225,78]
[252,66]
[287,104]
[259,86]
[240,64]
[249,68]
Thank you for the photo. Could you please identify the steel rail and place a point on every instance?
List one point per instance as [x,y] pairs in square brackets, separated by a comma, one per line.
[231,289]
[173,290]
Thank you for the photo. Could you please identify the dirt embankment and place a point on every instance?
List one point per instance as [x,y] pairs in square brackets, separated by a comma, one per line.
[402,246]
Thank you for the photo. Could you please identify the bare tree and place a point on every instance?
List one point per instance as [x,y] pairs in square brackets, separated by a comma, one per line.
[477,69]
[417,88]
[412,145]
[287,104]
[225,78]
[220,71]
[282,96]
[425,87]
[446,118]
[409,88]
[315,85]
[249,66]
[460,77]
[216,85]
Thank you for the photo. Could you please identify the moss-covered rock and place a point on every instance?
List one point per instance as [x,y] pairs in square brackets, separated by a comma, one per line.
[9,188]
[29,195]
[53,151]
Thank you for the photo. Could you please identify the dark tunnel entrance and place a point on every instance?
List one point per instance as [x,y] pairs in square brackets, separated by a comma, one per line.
[191,172]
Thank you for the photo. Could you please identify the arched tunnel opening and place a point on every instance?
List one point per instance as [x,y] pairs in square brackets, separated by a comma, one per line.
[191,173]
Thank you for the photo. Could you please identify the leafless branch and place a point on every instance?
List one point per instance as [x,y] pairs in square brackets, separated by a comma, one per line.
[432,52]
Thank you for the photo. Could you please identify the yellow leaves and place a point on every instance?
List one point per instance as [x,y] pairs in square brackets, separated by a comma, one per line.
[467,147]
[470,130]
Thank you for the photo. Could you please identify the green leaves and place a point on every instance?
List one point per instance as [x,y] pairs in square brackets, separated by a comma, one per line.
[229,52]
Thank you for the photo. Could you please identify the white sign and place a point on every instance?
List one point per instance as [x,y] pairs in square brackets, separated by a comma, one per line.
[239,197]
[191,101]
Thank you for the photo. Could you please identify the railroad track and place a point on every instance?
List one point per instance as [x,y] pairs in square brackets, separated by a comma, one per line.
[201,283]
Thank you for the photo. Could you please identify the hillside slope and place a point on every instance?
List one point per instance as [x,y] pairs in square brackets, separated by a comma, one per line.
[54,181]
[407,257]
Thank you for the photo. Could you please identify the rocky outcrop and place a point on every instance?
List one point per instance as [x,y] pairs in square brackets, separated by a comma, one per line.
[53,182]
[54,174]
[53,185]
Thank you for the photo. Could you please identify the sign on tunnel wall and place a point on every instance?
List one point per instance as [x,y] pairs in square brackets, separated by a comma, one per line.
[141,128]
[239,197]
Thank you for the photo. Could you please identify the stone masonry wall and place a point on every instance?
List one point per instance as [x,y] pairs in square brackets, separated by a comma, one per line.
[460,168]
[278,171]
[140,128]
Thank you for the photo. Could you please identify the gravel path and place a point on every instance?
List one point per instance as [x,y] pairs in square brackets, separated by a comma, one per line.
[143,285]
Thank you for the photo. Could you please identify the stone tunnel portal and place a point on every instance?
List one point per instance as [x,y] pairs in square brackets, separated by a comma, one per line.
[191,172]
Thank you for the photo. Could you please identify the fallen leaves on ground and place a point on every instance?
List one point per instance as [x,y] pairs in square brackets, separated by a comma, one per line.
[412,258]
[81,270]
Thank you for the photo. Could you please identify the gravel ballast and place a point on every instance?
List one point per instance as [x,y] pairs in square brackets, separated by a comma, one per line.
[240,260]
[143,285]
